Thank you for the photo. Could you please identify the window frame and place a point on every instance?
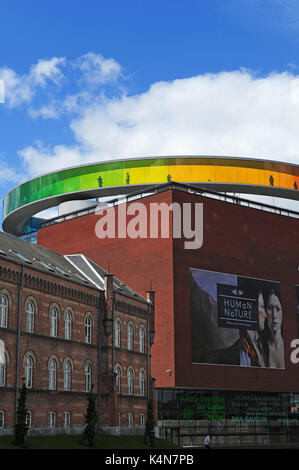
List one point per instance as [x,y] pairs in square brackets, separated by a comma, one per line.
[54,318]
[52,375]
[29,325]
[4,307]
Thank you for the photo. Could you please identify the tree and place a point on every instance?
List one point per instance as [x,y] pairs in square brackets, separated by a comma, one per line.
[150,425]
[90,420]
[21,427]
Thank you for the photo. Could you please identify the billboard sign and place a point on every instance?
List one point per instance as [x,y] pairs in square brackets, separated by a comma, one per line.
[236,320]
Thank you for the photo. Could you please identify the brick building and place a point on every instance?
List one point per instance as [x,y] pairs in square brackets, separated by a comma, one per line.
[201,383]
[67,324]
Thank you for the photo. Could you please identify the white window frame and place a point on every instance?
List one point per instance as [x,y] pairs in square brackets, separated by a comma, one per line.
[141,383]
[142,420]
[117,334]
[67,376]
[66,419]
[30,313]
[141,340]
[130,419]
[130,382]
[68,325]
[4,305]
[52,375]
[28,371]
[118,379]
[88,329]
[88,377]
[53,322]
[52,419]
[130,333]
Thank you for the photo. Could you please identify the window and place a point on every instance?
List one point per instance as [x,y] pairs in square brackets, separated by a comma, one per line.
[117,334]
[66,419]
[29,418]
[130,336]
[118,379]
[3,311]
[30,310]
[67,375]
[88,329]
[52,419]
[141,340]
[130,382]
[52,374]
[141,382]
[2,367]
[53,321]
[130,419]
[28,371]
[68,326]
[88,377]
[142,420]
[2,419]
[119,419]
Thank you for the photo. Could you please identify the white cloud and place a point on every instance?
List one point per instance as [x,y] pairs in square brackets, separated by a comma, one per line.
[230,113]
[20,89]
[97,70]
[47,70]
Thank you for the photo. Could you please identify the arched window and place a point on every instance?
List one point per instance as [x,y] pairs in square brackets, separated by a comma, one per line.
[141,340]
[28,371]
[67,375]
[3,311]
[88,329]
[53,321]
[117,334]
[52,374]
[118,379]
[130,382]
[68,325]
[88,377]
[30,311]
[141,382]
[130,336]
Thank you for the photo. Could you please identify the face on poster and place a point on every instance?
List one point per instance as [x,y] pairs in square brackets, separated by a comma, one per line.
[236,320]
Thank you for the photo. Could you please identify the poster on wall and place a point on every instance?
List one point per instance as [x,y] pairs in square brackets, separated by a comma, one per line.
[236,320]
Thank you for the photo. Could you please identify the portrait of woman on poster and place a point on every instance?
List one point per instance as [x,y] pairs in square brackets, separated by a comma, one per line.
[274,331]
[252,349]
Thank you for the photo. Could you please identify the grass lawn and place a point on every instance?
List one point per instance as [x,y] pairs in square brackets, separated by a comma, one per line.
[66,441]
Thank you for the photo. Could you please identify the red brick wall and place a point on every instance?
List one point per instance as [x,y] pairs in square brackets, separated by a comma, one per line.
[135,262]
[237,240]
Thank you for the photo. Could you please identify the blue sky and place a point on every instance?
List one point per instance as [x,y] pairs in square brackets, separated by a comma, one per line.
[94,80]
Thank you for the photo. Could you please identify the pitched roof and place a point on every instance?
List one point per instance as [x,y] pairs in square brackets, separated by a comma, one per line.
[75,268]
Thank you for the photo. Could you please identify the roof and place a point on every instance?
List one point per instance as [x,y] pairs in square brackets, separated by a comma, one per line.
[96,275]
[74,268]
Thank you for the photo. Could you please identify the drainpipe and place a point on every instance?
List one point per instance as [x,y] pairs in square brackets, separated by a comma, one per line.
[20,292]
[99,364]
[150,335]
